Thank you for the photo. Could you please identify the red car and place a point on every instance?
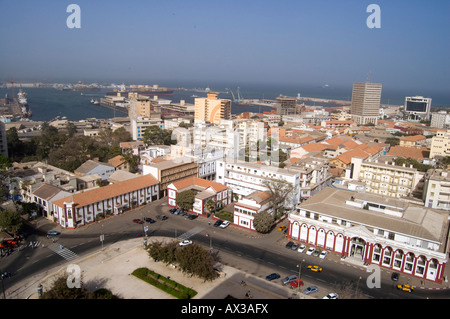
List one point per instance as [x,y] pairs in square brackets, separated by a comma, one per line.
[296,283]
[138,221]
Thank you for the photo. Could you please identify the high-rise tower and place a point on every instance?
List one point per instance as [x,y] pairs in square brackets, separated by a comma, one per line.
[366,103]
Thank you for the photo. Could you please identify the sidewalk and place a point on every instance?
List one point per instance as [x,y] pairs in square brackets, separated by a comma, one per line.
[111,268]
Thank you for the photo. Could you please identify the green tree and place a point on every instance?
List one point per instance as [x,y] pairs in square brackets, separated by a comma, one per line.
[186,199]
[60,290]
[280,190]
[153,135]
[132,161]
[10,221]
[393,141]
[263,222]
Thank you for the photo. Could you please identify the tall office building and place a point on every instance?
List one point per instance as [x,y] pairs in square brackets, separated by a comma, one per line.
[3,141]
[366,103]
[212,109]
[417,108]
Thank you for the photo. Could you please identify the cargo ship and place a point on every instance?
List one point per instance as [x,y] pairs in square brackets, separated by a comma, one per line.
[23,103]
[143,90]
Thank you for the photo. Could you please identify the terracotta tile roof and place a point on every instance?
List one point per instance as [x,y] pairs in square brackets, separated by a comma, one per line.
[413,138]
[196,181]
[98,194]
[346,157]
[317,147]
[116,161]
[409,152]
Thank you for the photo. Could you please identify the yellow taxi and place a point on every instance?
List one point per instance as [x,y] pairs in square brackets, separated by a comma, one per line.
[315,268]
[281,228]
[407,288]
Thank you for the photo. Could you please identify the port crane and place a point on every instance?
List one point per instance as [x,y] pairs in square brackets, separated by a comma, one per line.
[239,100]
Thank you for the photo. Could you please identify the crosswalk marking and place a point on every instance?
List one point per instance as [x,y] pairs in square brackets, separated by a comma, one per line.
[191,233]
[62,251]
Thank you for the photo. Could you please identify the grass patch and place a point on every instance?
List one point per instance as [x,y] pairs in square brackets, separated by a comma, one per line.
[171,287]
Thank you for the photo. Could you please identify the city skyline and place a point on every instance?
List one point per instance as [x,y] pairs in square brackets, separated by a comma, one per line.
[289,42]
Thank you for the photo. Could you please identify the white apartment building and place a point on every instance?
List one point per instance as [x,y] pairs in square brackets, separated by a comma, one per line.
[247,207]
[440,144]
[385,179]
[374,229]
[250,131]
[440,119]
[436,193]
[245,178]
[139,124]
[314,175]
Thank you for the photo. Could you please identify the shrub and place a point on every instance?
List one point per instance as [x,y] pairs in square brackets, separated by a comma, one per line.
[171,287]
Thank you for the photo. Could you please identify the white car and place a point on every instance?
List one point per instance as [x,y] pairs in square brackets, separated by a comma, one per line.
[310,251]
[224,224]
[185,243]
[331,295]
[323,254]
[301,248]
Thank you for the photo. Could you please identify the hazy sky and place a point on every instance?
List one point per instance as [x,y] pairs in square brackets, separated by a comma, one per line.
[281,41]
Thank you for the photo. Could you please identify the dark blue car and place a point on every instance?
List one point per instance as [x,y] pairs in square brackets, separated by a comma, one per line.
[273,276]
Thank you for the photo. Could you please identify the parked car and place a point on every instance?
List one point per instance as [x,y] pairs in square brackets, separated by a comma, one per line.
[150,220]
[218,223]
[310,290]
[289,245]
[225,224]
[323,254]
[294,246]
[406,287]
[272,276]
[162,217]
[331,295]
[137,221]
[185,242]
[296,283]
[173,210]
[281,228]
[301,248]
[316,252]
[288,279]
[310,251]
[315,268]
[191,216]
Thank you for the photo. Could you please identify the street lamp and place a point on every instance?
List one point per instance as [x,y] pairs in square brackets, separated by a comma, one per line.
[299,275]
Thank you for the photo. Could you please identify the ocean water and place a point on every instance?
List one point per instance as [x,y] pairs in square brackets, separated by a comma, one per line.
[48,103]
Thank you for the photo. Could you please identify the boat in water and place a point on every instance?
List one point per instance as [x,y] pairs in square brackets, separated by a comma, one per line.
[95,102]
[23,103]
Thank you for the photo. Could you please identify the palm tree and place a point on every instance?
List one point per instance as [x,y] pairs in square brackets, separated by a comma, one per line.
[210,205]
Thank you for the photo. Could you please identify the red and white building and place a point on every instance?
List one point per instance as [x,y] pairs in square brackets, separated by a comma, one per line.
[374,229]
[84,207]
[206,190]
[247,207]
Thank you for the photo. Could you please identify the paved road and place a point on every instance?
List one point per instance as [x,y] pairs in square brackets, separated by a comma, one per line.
[250,252]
